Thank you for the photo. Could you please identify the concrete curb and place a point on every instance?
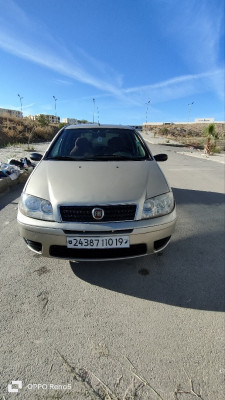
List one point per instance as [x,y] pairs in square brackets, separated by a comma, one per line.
[220,158]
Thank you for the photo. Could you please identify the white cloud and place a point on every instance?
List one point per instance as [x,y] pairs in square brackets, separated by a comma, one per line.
[23,37]
[196,28]
[63,82]
[180,86]
[50,59]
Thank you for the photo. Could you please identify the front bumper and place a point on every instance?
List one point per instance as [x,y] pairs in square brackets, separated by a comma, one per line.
[49,238]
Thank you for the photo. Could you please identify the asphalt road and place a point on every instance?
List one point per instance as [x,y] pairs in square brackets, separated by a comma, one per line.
[149,328]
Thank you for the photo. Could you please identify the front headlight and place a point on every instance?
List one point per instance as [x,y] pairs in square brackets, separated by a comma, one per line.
[34,207]
[158,206]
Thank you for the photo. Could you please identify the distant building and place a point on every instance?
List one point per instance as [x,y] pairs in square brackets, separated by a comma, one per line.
[11,113]
[31,117]
[52,119]
[147,125]
[199,120]
[71,121]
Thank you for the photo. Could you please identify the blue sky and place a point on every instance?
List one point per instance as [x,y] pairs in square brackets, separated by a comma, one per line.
[122,53]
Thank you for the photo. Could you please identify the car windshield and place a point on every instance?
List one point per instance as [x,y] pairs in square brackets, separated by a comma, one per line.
[91,144]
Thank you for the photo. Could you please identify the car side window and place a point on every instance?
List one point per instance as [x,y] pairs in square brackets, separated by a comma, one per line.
[56,150]
[139,147]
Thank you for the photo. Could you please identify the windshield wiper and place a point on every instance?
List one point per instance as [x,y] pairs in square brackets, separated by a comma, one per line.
[105,157]
[61,158]
[98,157]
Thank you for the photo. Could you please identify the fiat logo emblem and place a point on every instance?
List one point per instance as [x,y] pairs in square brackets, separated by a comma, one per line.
[97,213]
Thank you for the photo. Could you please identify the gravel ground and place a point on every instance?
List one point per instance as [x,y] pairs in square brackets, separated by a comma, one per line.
[131,328]
[21,151]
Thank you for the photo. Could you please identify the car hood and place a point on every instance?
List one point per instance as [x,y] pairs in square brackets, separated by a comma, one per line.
[69,182]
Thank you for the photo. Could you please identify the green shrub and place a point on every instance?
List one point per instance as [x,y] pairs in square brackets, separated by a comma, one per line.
[164,131]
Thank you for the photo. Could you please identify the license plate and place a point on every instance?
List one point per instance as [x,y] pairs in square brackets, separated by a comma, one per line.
[98,242]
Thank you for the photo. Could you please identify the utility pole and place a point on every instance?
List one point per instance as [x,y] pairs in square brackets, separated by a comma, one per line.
[55,103]
[98,114]
[148,102]
[21,106]
[189,110]
[93,111]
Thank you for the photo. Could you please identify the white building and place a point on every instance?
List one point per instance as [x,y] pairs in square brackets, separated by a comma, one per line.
[11,113]
[52,119]
[207,120]
[71,121]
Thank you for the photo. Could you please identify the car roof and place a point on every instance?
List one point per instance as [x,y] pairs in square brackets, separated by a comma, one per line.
[97,126]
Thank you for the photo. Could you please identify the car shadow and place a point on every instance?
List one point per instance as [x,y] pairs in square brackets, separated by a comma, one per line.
[11,195]
[187,196]
[190,271]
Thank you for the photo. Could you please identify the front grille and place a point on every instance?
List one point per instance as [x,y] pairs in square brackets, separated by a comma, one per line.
[93,254]
[98,233]
[111,213]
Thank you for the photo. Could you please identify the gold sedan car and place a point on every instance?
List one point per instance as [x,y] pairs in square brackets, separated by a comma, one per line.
[97,194]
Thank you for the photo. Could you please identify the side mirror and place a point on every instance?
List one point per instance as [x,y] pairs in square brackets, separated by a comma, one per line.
[36,156]
[161,157]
